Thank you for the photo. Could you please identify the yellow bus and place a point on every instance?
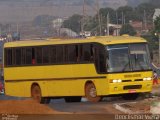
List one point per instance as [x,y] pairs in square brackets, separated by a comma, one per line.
[73,68]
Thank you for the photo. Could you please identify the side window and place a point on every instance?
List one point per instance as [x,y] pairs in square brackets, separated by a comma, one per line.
[18,56]
[92,50]
[100,60]
[80,51]
[86,52]
[60,54]
[72,53]
[66,54]
[53,54]
[28,56]
[38,55]
[33,56]
[8,57]
[46,54]
[23,53]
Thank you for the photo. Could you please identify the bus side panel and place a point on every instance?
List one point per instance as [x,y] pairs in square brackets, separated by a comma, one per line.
[15,89]
[66,88]
[22,89]
[57,80]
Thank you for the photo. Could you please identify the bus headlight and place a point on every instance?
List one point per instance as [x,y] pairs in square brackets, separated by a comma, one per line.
[148,78]
[144,79]
[114,81]
[117,81]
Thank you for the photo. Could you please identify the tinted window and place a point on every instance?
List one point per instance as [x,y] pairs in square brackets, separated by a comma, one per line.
[23,56]
[18,56]
[53,54]
[45,54]
[99,58]
[60,54]
[8,57]
[66,54]
[87,52]
[72,53]
[39,55]
[28,55]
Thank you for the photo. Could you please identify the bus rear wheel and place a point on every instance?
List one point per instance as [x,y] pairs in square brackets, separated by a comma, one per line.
[36,95]
[91,93]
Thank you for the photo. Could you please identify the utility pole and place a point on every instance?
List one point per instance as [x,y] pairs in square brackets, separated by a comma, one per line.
[17,28]
[83,19]
[116,17]
[99,19]
[108,24]
[145,20]
[122,18]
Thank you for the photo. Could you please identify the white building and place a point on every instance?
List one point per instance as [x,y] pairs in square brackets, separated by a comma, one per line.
[156,14]
[57,23]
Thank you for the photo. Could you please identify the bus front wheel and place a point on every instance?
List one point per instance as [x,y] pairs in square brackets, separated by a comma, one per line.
[36,95]
[91,93]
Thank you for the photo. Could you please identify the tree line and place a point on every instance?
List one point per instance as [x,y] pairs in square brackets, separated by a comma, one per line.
[122,15]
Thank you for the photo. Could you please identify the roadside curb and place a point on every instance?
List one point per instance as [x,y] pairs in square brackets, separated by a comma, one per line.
[132,108]
[122,109]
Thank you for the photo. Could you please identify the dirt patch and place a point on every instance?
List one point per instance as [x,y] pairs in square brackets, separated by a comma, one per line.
[25,107]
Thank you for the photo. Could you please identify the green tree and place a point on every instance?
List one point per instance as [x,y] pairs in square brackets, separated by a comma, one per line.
[91,24]
[128,13]
[157,24]
[157,31]
[107,11]
[73,23]
[147,8]
[152,41]
[127,29]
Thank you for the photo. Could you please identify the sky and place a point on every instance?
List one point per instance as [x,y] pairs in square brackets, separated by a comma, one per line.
[27,10]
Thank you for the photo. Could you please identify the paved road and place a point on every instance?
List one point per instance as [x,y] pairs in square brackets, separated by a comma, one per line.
[104,107]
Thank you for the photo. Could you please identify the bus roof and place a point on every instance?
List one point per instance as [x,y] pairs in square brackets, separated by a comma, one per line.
[105,40]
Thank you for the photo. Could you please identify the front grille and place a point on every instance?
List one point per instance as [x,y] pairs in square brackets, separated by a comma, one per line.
[126,80]
[132,87]
[138,80]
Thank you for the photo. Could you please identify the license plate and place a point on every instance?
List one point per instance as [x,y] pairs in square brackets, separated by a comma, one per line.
[132,91]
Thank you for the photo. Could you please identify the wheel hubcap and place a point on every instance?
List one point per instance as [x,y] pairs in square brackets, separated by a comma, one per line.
[36,94]
[92,92]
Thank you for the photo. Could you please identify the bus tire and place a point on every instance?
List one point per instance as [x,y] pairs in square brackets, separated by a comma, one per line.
[37,96]
[131,96]
[91,93]
[72,99]
[45,100]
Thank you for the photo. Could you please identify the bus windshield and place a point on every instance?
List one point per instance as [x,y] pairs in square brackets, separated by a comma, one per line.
[133,57]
